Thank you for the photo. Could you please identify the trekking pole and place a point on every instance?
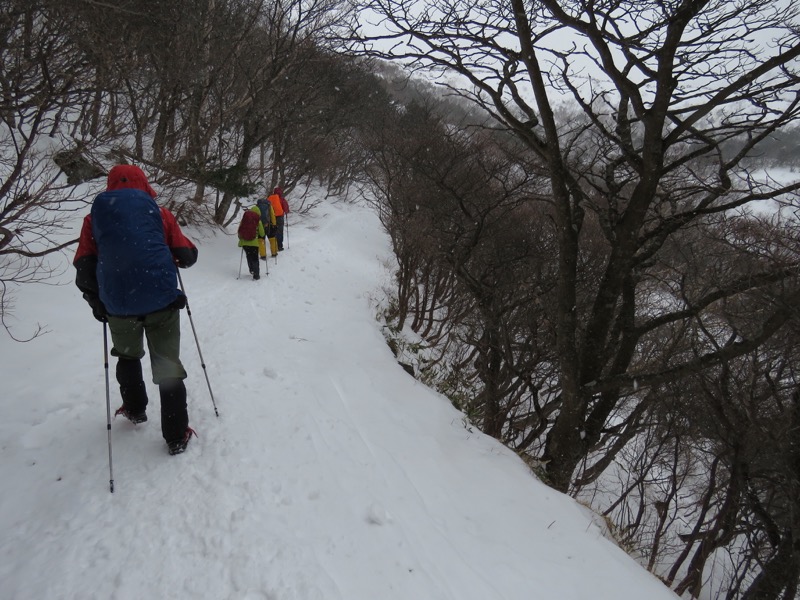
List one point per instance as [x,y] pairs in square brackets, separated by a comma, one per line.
[286,218]
[197,342]
[108,406]
[240,266]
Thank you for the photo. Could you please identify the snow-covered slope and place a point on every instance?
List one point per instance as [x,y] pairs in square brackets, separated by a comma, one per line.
[330,473]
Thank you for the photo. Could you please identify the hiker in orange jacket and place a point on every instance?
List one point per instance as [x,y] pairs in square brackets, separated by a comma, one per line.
[281,208]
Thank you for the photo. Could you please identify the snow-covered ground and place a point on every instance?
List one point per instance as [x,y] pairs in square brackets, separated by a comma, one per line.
[330,474]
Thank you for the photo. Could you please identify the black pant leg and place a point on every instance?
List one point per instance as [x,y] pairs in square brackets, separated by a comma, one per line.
[131,385]
[251,254]
[174,414]
[279,231]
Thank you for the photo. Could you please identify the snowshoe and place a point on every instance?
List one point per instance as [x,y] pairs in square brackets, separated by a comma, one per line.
[134,418]
[179,446]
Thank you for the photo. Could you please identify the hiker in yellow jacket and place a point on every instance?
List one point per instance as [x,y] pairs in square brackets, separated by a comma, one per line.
[268,221]
[251,235]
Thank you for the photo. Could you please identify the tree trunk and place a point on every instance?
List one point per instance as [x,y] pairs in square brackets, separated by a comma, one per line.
[564,444]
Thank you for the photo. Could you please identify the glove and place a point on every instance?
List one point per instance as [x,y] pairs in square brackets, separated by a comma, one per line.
[98,308]
[99,312]
[180,302]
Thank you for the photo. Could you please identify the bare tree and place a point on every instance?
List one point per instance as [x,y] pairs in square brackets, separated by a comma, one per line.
[661,86]
[709,480]
[194,89]
[43,81]
[468,244]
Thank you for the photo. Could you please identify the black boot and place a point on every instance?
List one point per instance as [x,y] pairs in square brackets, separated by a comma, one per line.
[174,415]
[132,390]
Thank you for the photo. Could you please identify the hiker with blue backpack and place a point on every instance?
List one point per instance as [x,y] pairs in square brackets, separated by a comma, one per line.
[269,222]
[128,254]
[251,235]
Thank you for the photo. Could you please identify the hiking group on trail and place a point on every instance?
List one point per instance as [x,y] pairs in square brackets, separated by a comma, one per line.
[127,258]
[127,261]
[261,223]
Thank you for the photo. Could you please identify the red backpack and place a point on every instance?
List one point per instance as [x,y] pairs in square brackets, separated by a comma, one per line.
[248,228]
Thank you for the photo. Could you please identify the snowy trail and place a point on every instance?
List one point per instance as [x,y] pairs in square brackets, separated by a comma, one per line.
[331,474]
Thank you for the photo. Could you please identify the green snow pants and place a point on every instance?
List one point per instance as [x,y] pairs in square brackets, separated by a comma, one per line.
[163,332]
